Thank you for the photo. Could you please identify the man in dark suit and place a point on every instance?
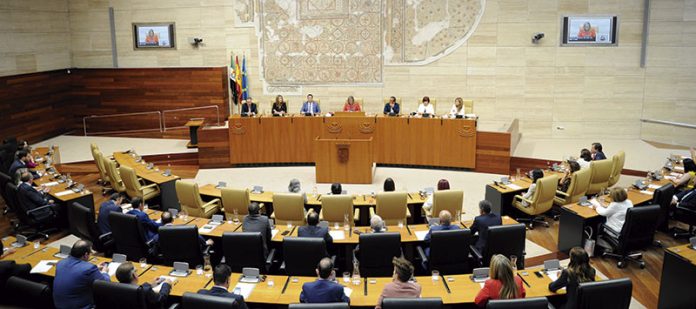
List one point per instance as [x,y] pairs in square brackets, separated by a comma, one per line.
[483,222]
[113,204]
[9,268]
[596,151]
[221,279]
[31,198]
[312,229]
[20,162]
[445,225]
[149,225]
[166,219]
[255,222]
[125,273]
[324,289]
[249,107]
[72,287]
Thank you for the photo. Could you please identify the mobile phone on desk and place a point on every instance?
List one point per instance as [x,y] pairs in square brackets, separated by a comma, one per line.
[286,232]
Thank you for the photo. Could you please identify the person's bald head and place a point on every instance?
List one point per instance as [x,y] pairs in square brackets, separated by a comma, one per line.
[445,217]
[81,249]
[325,268]
[167,217]
[376,223]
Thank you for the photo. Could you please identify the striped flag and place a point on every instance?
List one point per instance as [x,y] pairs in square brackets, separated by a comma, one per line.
[238,79]
[235,87]
[245,84]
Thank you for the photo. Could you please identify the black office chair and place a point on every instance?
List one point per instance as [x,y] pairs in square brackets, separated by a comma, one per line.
[663,197]
[4,179]
[449,252]
[28,294]
[114,295]
[637,233]
[251,245]
[33,223]
[180,243]
[82,225]
[503,239]
[320,306]
[200,301]
[302,254]
[412,303]
[520,303]
[376,252]
[687,215]
[605,294]
[129,237]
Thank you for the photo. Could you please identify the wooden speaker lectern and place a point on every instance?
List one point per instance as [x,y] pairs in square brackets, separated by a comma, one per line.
[344,160]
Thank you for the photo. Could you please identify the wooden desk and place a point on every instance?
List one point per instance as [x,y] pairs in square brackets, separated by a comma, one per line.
[262,293]
[157,216]
[167,184]
[677,283]
[344,160]
[47,253]
[191,283]
[501,195]
[19,252]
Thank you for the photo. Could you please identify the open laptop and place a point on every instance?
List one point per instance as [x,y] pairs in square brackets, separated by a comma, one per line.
[64,252]
[181,269]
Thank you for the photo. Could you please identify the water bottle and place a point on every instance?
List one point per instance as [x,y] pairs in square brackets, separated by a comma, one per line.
[346,223]
[356,273]
[315,192]
[206,262]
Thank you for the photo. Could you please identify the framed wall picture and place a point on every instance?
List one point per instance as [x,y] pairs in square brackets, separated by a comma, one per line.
[154,36]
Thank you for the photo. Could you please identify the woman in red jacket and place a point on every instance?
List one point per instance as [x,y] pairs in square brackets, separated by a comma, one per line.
[503,284]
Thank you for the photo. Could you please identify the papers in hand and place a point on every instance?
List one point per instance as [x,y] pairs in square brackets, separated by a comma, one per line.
[66,192]
[112,268]
[513,186]
[159,286]
[347,291]
[338,234]
[595,203]
[43,266]
[245,289]
[421,234]
[51,184]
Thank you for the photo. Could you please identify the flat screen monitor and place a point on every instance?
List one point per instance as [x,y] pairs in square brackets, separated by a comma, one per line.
[589,31]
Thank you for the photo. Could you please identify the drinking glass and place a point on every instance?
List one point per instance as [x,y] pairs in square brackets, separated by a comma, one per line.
[513,261]
[436,275]
[143,263]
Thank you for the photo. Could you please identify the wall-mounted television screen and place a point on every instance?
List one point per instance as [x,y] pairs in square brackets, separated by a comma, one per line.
[589,30]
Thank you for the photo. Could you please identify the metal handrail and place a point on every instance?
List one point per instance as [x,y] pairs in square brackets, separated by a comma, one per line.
[671,123]
[159,122]
[164,119]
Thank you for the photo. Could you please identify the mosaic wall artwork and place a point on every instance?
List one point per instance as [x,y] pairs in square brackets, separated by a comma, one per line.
[315,42]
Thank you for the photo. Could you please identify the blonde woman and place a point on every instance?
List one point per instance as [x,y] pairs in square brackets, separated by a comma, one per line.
[279,107]
[502,284]
[457,108]
[350,105]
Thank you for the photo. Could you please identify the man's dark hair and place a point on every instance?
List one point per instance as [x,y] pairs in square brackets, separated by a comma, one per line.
[117,195]
[80,248]
[485,206]
[336,188]
[167,217]
[124,272]
[597,146]
[313,218]
[135,202]
[254,208]
[221,274]
[325,267]
[22,154]
[403,268]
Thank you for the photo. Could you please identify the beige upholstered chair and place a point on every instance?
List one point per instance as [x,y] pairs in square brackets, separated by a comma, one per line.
[288,208]
[579,182]
[114,175]
[450,200]
[600,171]
[133,186]
[617,165]
[392,207]
[468,106]
[103,176]
[334,208]
[190,199]
[235,199]
[540,202]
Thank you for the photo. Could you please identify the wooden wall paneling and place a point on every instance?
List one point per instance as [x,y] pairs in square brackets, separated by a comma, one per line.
[213,147]
[493,152]
[457,146]
[389,140]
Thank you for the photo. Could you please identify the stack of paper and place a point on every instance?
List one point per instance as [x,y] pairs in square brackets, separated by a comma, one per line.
[338,235]
[421,234]
[66,192]
[245,289]
[159,286]
[43,266]
[513,186]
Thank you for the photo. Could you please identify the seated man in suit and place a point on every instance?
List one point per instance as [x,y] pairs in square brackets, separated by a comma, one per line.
[483,222]
[167,219]
[249,107]
[445,225]
[221,279]
[149,225]
[324,289]
[126,274]
[310,107]
[596,151]
[312,229]
[112,204]
[21,162]
[32,198]
[255,222]
[9,268]
[72,287]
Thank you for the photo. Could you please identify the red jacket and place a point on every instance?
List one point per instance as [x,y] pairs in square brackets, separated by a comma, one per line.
[491,290]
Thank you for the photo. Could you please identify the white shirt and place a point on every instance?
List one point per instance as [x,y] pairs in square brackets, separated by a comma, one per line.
[583,163]
[529,194]
[423,109]
[615,213]
[453,111]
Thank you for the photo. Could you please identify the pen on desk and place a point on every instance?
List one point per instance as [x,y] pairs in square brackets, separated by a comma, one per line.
[444,280]
[365,287]
[463,225]
[319,197]
[409,196]
[525,281]
[236,228]
[408,230]
[287,280]
[293,230]
[37,251]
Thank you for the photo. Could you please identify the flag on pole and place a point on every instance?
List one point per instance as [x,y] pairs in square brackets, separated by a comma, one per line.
[238,79]
[236,87]
[245,84]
